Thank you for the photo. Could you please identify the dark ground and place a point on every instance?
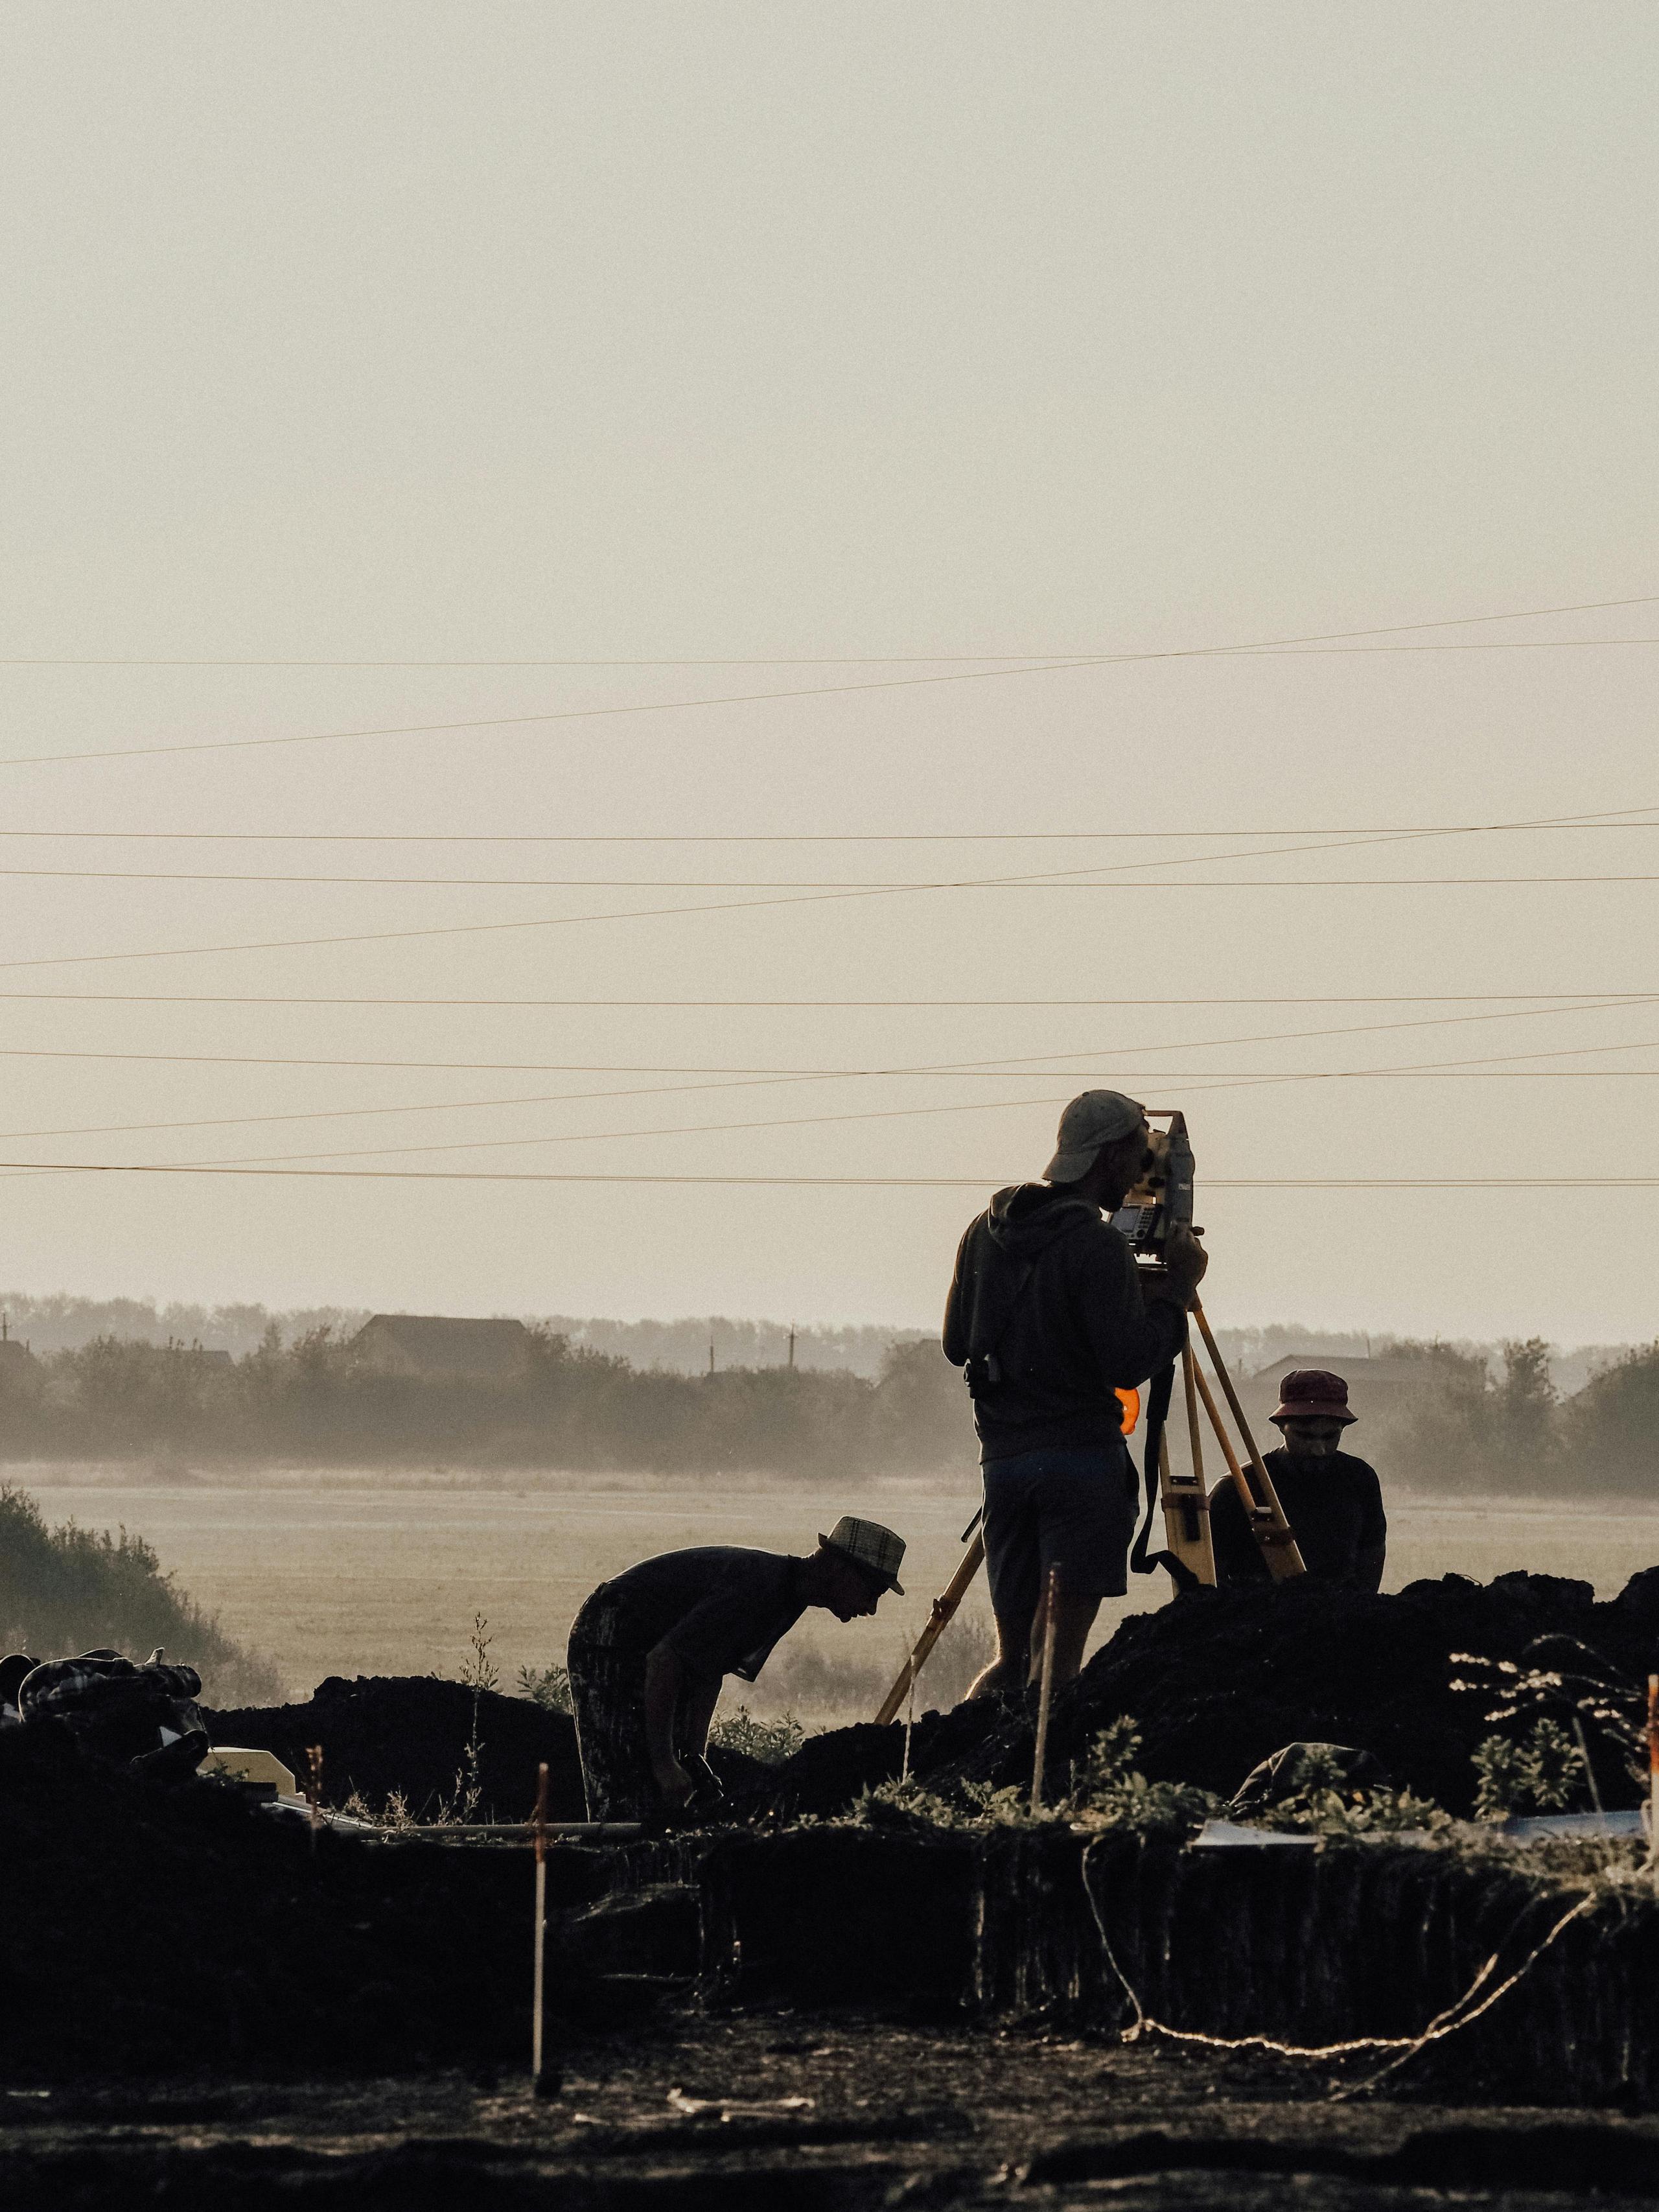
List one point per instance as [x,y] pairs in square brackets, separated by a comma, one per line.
[898,2115]
[254,2026]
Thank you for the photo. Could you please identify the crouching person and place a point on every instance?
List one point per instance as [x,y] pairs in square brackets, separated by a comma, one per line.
[649,1651]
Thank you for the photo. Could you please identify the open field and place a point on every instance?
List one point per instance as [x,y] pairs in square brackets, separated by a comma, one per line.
[345,1574]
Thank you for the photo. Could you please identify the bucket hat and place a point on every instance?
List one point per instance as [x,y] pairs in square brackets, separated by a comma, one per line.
[869,1545]
[1309,1394]
[1094,1118]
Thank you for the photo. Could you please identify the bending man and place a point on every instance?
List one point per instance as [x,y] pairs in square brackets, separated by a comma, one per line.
[1047,1314]
[648,1653]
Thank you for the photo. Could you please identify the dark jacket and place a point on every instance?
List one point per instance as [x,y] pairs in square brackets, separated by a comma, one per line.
[1051,1291]
[1335,1507]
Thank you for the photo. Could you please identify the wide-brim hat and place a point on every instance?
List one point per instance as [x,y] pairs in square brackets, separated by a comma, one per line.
[871,1547]
[1309,1394]
[1094,1118]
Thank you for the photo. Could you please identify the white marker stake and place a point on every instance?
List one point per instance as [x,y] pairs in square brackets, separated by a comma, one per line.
[540,2084]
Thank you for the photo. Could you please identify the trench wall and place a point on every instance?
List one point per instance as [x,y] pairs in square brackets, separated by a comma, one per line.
[1305,1947]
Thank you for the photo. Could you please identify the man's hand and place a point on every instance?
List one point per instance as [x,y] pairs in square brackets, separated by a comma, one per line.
[1185,1260]
[676,1784]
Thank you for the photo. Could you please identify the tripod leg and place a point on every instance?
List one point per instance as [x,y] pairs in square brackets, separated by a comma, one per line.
[944,1607]
[1280,1549]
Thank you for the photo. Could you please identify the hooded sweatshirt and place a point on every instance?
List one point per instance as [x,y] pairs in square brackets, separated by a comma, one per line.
[1050,1289]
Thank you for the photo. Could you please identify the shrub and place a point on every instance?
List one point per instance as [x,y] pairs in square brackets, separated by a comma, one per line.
[70,1590]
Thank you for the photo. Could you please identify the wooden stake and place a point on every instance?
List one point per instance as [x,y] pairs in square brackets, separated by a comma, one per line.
[1046,1687]
[945,1607]
[314,1788]
[1653,1776]
[544,2081]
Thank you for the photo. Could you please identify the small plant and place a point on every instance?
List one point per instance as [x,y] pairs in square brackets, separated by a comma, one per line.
[1107,1791]
[548,1686]
[480,1673]
[1535,1773]
[769,1742]
[1323,1801]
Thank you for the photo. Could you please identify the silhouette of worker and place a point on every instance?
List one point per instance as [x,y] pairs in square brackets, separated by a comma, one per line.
[1333,1501]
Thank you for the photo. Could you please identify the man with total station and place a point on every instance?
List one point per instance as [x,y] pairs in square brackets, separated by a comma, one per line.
[649,1651]
[1332,1500]
[1050,1317]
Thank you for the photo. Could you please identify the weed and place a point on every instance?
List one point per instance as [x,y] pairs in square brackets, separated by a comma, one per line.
[1535,1773]
[771,1742]
[548,1686]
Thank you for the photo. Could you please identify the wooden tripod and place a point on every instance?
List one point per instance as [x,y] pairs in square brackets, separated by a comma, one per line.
[1186,1511]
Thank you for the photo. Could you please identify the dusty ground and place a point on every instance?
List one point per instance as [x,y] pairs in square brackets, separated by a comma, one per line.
[895,2115]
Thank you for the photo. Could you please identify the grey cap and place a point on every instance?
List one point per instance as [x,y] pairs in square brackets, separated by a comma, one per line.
[1094,1118]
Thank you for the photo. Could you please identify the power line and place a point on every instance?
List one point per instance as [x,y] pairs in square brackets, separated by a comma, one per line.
[742,884]
[826,1182]
[775,660]
[1576,823]
[1008,1065]
[649,913]
[810,1005]
[1248,648]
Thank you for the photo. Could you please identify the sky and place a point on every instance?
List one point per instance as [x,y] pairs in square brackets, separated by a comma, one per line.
[739,486]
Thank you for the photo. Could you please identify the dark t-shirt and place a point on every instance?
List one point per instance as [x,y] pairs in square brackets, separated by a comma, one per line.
[720,1610]
[1335,1507]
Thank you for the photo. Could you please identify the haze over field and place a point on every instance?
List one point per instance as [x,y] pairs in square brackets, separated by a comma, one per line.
[552,400]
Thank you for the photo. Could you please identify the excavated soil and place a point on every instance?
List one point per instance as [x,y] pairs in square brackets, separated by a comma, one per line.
[412,1734]
[1219,1679]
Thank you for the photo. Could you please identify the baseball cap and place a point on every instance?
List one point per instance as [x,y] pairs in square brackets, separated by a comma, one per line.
[1094,1118]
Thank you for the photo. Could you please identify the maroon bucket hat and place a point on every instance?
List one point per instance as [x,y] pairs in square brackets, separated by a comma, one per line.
[1309,1394]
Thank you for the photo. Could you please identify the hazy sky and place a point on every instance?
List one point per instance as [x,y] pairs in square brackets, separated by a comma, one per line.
[417,333]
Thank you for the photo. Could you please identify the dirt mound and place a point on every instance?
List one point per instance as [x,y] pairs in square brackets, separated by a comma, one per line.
[410,1732]
[153,1927]
[1219,1679]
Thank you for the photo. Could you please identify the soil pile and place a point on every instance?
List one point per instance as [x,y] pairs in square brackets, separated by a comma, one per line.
[152,1928]
[425,1739]
[410,1732]
[1219,1679]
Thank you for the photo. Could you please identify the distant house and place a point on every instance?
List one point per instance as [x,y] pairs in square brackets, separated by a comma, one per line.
[1375,1386]
[436,1349]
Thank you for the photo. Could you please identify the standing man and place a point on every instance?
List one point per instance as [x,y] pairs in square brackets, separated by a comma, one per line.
[648,1653]
[1332,1500]
[1049,1315]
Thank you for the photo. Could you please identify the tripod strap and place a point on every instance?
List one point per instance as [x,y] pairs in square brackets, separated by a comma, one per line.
[1157,1412]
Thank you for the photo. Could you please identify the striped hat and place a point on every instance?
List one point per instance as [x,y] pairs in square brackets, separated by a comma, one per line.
[869,1545]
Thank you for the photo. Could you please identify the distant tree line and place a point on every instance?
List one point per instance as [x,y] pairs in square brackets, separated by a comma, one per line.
[1475,1423]
[314,1400]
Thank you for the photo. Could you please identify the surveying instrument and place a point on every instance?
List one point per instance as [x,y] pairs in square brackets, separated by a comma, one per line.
[1160,1202]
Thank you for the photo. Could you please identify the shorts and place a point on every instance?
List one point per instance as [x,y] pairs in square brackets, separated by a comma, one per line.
[1072,1508]
[607,1699]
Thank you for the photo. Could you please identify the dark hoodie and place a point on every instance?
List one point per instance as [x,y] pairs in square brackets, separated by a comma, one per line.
[1065,1343]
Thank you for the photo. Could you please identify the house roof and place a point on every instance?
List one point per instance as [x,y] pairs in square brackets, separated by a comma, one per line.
[443,1341]
[1351,1371]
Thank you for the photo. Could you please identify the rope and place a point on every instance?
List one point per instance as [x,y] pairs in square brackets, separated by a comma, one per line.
[1456,2016]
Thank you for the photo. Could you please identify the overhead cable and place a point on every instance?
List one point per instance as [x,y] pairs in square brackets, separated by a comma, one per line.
[1251,647]
[750,660]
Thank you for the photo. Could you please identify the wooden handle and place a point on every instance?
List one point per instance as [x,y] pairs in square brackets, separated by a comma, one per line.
[945,1607]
